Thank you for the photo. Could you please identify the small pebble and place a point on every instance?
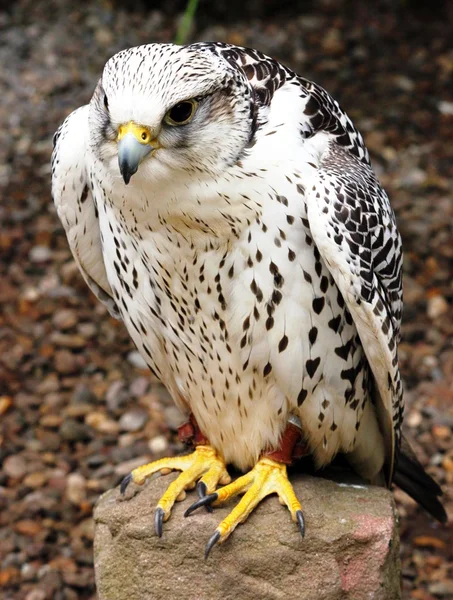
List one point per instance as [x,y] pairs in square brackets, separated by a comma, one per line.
[414,418]
[413,178]
[428,541]
[441,431]
[64,319]
[447,463]
[76,488]
[65,362]
[124,468]
[100,421]
[158,444]
[126,439]
[70,594]
[8,576]
[48,384]
[51,420]
[139,386]
[332,42]
[443,589]
[36,595]
[68,340]
[437,306]
[73,431]
[104,471]
[91,394]
[28,571]
[133,420]
[96,460]
[15,466]
[136,360]
[446,108]
[35,480]
[174,417]
[87,330]
[77,410]
[5,403]
[28,527]
[116,395]
[40,254]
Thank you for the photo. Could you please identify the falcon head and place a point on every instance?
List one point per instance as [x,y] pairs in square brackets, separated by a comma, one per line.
[160,108]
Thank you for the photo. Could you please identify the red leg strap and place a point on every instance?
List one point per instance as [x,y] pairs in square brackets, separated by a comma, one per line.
[189,433]
[292,446]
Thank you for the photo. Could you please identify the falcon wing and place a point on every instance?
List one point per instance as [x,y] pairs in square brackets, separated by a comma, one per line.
[75,206]
[354,229]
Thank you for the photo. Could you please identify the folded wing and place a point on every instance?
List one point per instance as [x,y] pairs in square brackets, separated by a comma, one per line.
[75,205]
[354,229]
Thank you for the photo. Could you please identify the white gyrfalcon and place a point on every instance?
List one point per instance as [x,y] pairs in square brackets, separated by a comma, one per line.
[226,210]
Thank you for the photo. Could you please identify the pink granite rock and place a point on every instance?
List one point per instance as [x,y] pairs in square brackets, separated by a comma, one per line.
[350,550]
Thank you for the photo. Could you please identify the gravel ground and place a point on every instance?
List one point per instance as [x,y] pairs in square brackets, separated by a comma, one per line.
[77,409]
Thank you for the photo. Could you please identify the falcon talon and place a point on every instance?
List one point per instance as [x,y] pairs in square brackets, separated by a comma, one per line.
[301,522]
[215,537]
[203,465]
[205,501]
[202,491]
[158,520]
[126,481]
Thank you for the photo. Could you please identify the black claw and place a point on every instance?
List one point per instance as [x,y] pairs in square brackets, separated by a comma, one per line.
[202,490]
[212,542]
[126,481]
[206,500]
[301,522]
[158,520]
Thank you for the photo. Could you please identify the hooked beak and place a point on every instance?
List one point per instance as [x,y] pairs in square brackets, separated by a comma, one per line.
[134,143]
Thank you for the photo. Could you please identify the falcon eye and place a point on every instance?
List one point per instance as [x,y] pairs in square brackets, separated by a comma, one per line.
[181,113]
[106,102]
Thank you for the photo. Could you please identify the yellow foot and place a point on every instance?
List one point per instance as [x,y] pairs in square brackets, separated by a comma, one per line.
[267,477]
[203,465]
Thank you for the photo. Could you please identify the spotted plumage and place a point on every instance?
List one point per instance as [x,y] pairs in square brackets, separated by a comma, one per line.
[253,256]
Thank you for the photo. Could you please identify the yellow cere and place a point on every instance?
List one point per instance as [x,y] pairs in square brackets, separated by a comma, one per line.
[141,133]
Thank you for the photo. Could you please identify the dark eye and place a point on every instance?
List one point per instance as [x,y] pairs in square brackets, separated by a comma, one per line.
[106,102]
[181,113]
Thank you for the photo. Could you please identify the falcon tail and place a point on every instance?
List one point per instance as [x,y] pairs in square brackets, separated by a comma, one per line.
[411,477]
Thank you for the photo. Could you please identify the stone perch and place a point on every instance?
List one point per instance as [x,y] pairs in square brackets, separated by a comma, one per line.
[350,550]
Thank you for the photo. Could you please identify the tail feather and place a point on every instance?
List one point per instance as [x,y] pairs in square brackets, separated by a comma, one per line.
[411,477]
